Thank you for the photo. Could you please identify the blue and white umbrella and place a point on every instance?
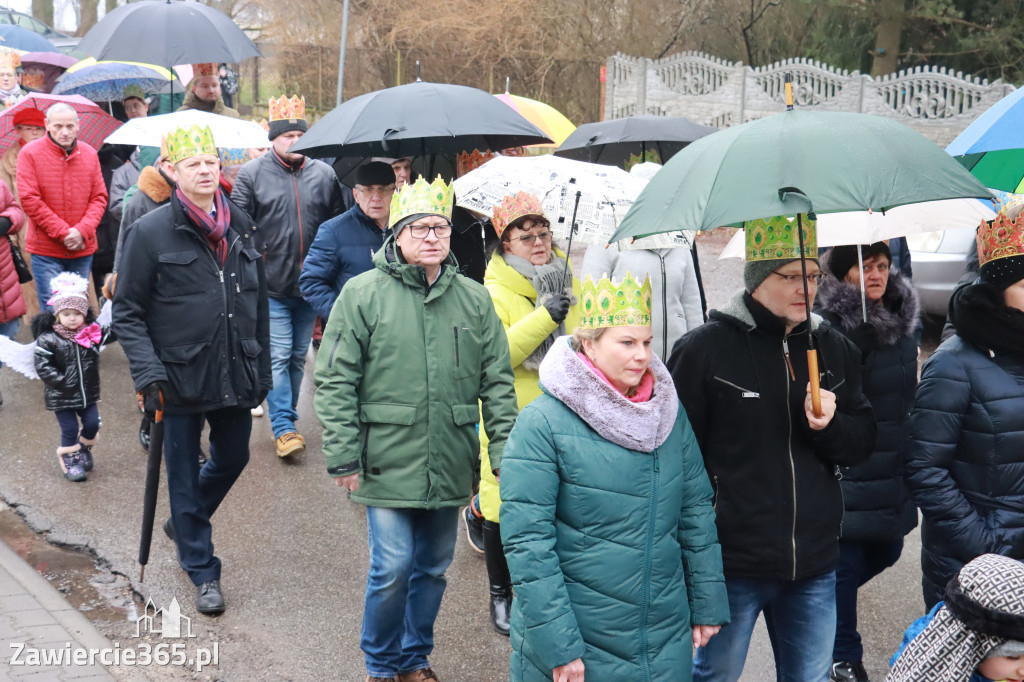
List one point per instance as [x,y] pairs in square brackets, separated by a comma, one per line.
[106,81]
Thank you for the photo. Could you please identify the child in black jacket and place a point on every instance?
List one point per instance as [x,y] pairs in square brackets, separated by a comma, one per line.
[67,360]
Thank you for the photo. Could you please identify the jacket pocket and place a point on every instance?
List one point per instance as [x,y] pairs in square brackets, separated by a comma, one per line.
[251,350]
[386,440]
[248,271]
[387,413]
[743,392]
[175,277]
[465,414]
[466,351]
[188,369]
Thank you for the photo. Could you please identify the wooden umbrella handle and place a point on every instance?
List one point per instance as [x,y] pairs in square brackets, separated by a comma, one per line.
[812,372]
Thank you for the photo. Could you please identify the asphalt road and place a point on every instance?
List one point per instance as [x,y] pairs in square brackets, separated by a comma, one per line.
[294,547]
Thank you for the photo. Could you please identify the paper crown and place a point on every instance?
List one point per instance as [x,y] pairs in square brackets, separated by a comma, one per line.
[467,161]
[513,207]
[36,80]
[649,156]
[1000,238]
[133,90]
[234,157]
[606,304]
[778,239]
[284,109]
[9,59]
[435,198]
[263,124]
[183,144]
[204,69]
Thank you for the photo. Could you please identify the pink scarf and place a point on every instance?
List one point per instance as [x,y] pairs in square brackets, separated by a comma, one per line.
[643,392]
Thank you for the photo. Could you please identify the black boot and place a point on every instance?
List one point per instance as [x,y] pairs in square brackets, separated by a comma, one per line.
[498,578]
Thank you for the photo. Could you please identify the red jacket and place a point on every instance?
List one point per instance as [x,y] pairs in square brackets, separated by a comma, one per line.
[59,191]
[12,305]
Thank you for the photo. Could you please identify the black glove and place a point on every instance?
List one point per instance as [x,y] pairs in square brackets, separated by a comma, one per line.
[5,225]
[151,400]
[558,307]
[865,337]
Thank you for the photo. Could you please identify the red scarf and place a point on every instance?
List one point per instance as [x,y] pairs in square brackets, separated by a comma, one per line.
[214,229]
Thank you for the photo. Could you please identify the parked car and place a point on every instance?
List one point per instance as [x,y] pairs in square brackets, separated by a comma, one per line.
[62,41]
[938,259]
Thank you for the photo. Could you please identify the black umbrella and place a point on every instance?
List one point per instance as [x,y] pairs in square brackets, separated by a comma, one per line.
[419,119]
[156,451]
[613,142]
[167,32]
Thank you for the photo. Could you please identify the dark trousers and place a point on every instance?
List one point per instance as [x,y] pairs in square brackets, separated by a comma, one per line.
[196,493]
[859,562]
[68,420]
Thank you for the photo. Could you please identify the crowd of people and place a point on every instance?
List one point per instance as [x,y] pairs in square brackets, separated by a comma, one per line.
[649,481]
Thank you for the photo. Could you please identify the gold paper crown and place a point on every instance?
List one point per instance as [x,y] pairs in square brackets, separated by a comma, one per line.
[233,157]
[9,59]
[606,304]
[1001,238]
[778,239]
[204,69]
[284,109]
[435,198]
[513,207]
[183,144]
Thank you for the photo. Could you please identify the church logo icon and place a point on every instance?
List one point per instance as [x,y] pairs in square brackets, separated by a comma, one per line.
[166,622]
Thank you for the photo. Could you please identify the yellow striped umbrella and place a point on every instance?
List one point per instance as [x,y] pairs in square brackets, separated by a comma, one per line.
[551,121]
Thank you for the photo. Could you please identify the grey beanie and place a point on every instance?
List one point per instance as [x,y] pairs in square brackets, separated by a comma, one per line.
[756,272]
[1009,648]
[400,225]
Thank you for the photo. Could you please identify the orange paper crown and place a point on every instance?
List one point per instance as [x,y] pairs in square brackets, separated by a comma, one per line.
[467,161]
[1001,238]
[285,109]
[204,69]
[263,124]
[9,59]
[513,207]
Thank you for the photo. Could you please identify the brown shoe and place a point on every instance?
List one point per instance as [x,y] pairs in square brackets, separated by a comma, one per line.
[289,443]
[421,675]
[371,678]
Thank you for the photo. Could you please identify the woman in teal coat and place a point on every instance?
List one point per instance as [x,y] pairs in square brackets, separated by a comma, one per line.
[607,516]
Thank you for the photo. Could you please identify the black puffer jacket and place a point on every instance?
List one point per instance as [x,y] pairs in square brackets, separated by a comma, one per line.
[777,496]
[184,319]
[70,372]
[877,501]
[965,455]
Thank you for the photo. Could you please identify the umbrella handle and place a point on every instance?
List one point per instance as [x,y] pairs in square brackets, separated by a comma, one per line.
[572,231]
[812,372]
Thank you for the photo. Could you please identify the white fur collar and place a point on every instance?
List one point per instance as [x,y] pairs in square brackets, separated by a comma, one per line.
[635,426]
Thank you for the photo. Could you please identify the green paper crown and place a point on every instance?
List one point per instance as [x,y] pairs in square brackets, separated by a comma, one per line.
[419,197]
[777,238]
[183,144]
[606,304]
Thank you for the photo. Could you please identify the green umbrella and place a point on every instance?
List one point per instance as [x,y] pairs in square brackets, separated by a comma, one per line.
[796,162]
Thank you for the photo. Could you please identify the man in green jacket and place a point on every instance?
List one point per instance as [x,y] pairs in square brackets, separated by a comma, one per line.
[412,352]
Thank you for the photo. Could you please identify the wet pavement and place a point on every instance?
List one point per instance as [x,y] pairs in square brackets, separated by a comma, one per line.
[293,547]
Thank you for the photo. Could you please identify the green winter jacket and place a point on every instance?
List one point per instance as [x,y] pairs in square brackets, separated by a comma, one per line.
[401,370]
[613,550]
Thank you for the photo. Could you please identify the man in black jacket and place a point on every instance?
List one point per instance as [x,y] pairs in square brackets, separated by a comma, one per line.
[743,379]
[190,309]
[288,196]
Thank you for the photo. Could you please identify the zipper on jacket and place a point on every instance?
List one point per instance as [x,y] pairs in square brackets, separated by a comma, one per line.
[789,444]
[366,446]
[457,361]
[664,309]
[81,375]
[744,393]
[714,489]
[330,359]
[648,549]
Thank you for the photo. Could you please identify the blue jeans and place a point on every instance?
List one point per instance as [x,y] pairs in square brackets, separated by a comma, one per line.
[9,329]
[196,493]
[859,562]
[801,620]
[45,268]
[410,549]
[291,328]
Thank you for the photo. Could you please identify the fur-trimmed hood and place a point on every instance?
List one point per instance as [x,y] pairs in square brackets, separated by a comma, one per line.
[896,315]
[154,185]
[636,426]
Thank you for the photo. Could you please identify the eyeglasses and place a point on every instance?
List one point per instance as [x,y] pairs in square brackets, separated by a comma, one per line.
[377,191]
[440,231]
[812,280]
[531,238]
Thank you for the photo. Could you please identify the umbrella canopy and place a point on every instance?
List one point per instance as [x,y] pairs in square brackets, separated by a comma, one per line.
[606,192]
[227,132]
[614,142]
[418,119]
[992,147]
[18,38]
[165,32]
[57,59]
[797,162]
[94,124]
[42,69]
[550,120]
[106,81]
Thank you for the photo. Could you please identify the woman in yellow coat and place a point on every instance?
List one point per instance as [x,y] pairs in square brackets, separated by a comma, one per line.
[526,279]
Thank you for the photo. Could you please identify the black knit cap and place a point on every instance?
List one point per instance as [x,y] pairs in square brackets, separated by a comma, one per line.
[1002,272]
[285,125]
[375,173]
[842,258]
